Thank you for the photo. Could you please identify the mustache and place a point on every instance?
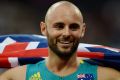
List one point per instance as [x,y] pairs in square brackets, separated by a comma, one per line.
[65,40]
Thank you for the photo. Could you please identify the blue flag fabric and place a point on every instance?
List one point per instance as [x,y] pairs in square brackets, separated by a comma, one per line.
[111,56]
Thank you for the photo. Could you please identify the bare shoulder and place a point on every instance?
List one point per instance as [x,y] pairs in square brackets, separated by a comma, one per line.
[17,73]
[106,73]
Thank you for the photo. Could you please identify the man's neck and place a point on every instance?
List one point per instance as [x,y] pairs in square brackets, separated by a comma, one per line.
[60,66]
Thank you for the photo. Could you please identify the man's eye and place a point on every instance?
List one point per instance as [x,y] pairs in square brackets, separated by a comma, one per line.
[59,26]
[74,26]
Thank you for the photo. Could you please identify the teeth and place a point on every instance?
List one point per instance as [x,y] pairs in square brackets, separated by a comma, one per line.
[65,42]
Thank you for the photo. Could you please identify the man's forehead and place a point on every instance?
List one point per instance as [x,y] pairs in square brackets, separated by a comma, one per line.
[66,9]
[61,9]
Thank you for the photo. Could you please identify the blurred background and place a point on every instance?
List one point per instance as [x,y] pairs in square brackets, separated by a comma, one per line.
[102,18]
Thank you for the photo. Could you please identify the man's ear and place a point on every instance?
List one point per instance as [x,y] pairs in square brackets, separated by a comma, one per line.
[83,29]
[43,28]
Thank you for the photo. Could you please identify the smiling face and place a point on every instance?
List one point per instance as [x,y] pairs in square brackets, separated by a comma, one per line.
[64,27]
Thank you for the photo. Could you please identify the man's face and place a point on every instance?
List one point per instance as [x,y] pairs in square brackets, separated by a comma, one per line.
[64,30]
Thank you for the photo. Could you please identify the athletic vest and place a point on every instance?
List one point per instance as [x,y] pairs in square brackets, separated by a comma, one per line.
[39,71]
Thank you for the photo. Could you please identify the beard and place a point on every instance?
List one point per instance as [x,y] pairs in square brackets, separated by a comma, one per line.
[52,43]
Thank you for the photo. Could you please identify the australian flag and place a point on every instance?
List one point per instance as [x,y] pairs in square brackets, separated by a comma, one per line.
[85,77]
[23,49]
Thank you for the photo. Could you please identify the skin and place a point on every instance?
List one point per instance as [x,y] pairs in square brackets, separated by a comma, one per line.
[63,31]
[64,28]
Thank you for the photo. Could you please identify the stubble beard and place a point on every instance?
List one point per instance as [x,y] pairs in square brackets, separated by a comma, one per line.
[63,55]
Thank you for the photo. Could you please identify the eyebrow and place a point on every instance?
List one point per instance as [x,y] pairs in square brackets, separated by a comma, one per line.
[75,24]
[62,23]
[58,23]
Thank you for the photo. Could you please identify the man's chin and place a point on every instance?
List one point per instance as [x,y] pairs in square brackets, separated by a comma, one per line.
[67,51]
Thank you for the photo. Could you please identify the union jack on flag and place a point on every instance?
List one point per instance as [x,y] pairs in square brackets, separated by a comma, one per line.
[24,49]
[85,77]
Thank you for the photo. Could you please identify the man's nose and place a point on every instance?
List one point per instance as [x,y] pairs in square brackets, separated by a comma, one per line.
[66,31]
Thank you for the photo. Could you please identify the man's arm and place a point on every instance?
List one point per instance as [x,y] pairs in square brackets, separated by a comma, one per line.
[17,73]
[105,73]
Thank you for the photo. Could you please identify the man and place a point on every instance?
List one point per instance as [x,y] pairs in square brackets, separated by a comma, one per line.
[63,27]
